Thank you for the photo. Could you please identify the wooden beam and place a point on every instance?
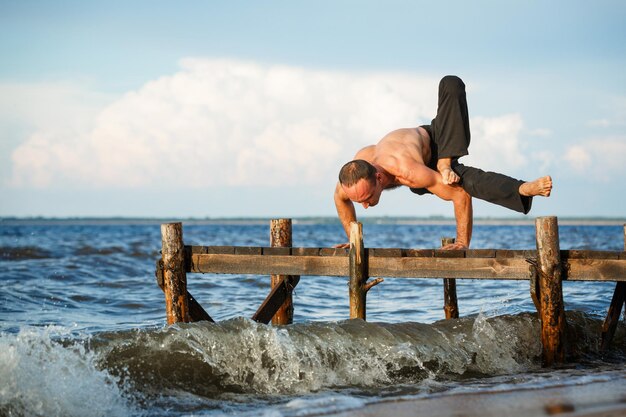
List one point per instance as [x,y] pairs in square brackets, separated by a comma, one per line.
[612,317]
[276,299]
[553,322]
[196,312]
[358,272]
[266,265]
[476,268]
[594,270]
[402,253]
[615,311]
[280,237]
[174,277]
[404,267]
[450,304]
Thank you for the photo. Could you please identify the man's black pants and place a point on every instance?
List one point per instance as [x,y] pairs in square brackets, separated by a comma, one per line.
[450,138]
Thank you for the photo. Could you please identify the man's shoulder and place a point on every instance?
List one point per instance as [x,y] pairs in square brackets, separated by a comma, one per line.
[367,153]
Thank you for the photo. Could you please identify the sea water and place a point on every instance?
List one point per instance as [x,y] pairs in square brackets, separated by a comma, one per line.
[82,325]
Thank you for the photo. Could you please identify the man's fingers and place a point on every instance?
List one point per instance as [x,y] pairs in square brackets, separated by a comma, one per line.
[454,246]
[342,246]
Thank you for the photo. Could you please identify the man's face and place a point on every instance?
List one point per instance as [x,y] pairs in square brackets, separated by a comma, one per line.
[364,192]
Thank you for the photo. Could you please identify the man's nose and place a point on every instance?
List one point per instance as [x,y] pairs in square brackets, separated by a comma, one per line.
[365,205]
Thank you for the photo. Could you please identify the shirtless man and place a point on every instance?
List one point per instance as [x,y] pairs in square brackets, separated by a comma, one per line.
[425,159]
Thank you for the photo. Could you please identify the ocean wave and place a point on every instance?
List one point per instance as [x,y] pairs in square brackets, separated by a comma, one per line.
[241,356]
[19,253]
[90,250]
[52,371]
[41,377]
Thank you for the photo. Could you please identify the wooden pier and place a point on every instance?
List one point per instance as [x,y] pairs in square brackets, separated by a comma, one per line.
[545,267]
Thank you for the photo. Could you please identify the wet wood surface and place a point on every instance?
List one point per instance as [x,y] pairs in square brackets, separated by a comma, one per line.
[415,263]
[174,274]
[450,303]
[550,273]
[280,238]
[357,272]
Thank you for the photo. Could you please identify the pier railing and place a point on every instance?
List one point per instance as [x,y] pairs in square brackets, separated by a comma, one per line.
[545,268]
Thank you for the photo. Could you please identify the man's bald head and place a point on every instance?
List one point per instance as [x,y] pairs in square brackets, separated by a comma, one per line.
[356,170]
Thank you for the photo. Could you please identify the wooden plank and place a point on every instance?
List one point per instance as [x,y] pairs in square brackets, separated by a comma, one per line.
[267,265]
[334,251]
[386,252]
[248,250]
[276,251]
[472,268]
[594,270]
[305,251]
[613,315]
[516,254]
[211,249]
[405,267]
[401,252]
[480,253]
[419,253]
[196,312]
[615,311]
[455,253]
[275,299]
[588,254]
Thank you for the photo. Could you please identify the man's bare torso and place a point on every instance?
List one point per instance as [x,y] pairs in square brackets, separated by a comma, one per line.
[398,150]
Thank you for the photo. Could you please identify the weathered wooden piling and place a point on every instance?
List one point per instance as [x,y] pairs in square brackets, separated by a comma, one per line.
[196,312]
[358,270]
[615,311]
[450,304]
[550,291]
[174,275]
[281,236]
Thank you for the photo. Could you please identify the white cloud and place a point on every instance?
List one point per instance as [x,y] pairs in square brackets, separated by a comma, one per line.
[495,144]
[232,122]
[600,158]
[50,105]
[540,132]
[599,123]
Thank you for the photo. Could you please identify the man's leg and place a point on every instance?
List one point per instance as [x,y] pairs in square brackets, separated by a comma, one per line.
[495,188]
[451,126]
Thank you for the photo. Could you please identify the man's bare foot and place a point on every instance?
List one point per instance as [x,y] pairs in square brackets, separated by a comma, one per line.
[444,168]
[541,186]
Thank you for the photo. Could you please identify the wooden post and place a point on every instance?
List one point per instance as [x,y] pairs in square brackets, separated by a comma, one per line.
[174,275]
[358,272]
[615,311]
[280,236]
[550,291]
[196,312]
[450,305]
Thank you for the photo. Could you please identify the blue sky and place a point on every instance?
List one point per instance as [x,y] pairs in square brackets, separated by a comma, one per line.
[205,108]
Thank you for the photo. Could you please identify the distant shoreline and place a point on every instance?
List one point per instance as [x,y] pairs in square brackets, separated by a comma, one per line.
[432,220]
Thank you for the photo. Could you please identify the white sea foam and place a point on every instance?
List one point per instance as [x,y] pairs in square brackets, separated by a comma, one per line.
[41,377]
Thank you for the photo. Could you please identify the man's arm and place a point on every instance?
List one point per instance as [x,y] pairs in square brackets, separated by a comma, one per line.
[345,211]
[420,176]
